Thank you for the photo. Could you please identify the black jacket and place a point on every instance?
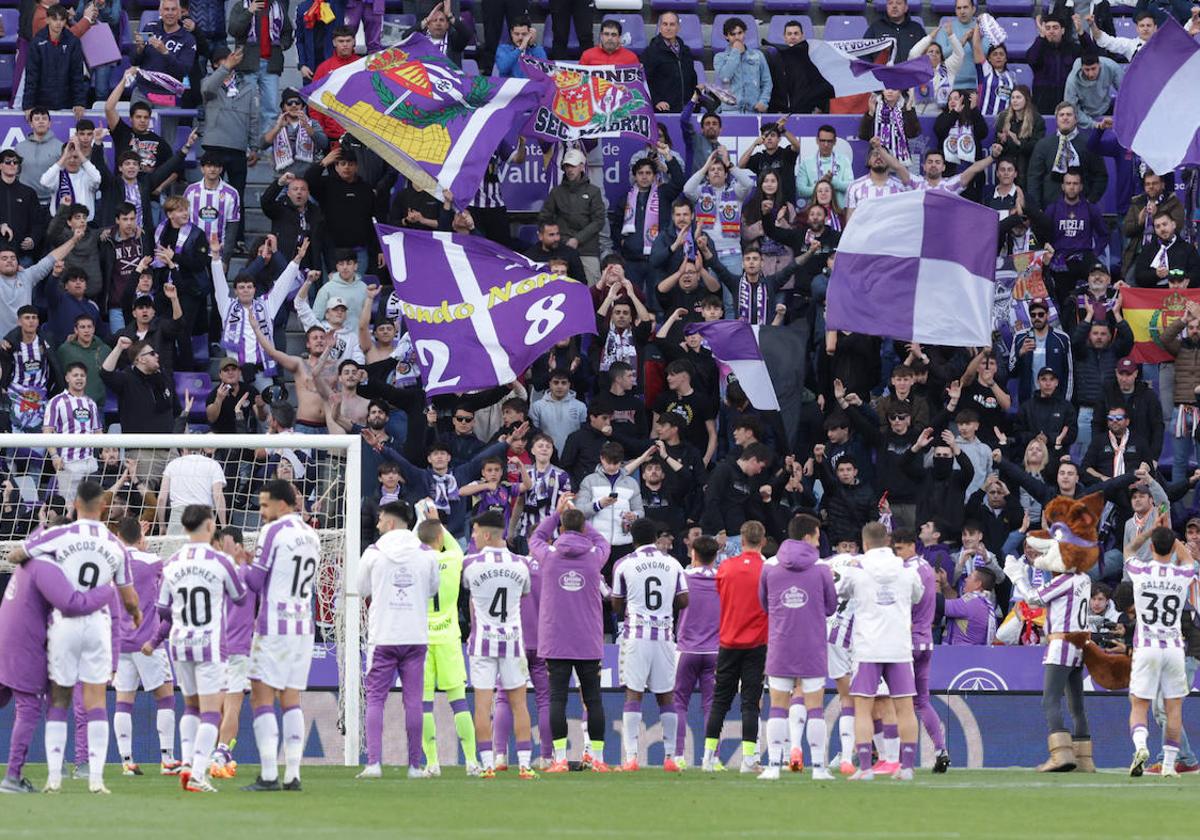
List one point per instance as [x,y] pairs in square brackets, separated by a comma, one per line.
[1046,415]
[906,34]
[145,402]
[730,499]
[847,507]
[797,87]
[54,74]
[1142,407]
[1045,186]
[944,500]
[672,78]
[898,469]
[21,211]
[162,335]
[1182,261]
[289,227]
[1094,369]
[348,208]
[996,524]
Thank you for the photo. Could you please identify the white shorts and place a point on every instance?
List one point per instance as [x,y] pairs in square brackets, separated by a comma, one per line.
[281,661]
[647,665]
[200,678]
[1155,669]
[788,684]
[136,670]
[503,672]
[80,649]
[839,661]
[237,674]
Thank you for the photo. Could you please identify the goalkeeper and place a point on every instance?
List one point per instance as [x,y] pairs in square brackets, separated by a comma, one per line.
[445,669]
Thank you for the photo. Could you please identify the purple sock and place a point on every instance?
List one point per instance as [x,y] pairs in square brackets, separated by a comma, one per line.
[56,714]
[122,706]
[864,756]
[632,706]
[933,725]
[194,711]
[890,730]
[163,703]
[524,745]
[908,755]
[483,745]
[427,707]
[81,735]
[501,726]
[776,713]
[259,711]
[211,717]
[879,727]
[96,714]
[459,705]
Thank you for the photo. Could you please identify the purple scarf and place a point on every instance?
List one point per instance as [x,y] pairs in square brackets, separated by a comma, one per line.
[889,128]
[757,291]
[275,19]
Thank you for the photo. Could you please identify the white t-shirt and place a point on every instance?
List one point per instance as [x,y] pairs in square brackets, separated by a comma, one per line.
[192,479]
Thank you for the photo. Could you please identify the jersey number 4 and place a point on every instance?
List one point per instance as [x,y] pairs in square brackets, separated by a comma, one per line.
[498,609]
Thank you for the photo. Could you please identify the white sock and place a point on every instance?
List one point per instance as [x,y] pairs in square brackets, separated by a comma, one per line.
[487,759]
[797,715]
[1139,738]
[670,726]
[97,731]
[56,749]
[188,724]
[631,727]
[846,735]
[891,748]
[709,755]
[206,740]
[777,729]
[818,734]
[1170,756]
[293,743]
[166,732]
[266,736]
[523,758]
[880,749]
[560,753]
[123,731]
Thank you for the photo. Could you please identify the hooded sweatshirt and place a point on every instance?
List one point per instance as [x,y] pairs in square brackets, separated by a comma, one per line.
[401,575]
[798,596]
[883,592]
[558,418]
[570,617]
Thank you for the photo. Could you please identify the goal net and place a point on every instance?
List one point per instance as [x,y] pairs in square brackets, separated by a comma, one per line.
[153,477]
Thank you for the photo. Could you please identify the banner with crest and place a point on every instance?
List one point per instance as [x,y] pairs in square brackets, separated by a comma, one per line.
[1018,281]
[581,101]
[418,111]
[1149,313]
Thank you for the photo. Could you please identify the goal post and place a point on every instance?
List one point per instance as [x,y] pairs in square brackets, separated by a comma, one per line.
[326,470]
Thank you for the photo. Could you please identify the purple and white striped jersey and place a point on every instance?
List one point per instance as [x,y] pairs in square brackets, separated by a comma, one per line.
[212,210]
[68,415]
[496,579]
[841,623]
[147,580]
[1160,592]
[648,580]
[237,332]
[196,580]
[700,620]
[864,189]
[284,573]
[953,184]
[1066,600]
[88,553]
[995,88]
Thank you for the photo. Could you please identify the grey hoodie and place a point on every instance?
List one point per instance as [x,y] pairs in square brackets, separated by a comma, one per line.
[230,122]
[36,157]
[558,418]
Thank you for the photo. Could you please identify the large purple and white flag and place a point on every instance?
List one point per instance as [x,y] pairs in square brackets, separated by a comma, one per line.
[917,266]
[850,76]
[478,314]
[418,111]
[1150,117]
[582,101]
[736,344]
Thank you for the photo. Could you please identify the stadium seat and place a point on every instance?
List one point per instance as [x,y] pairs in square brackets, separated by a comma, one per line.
[844,27]
[404,22]
[914,8]
[198,384]
[148,19]
[633,33]
[125,39]
[8,42]
[6,74]
[738,7]
[618,5]
[470,67]
[1010,7]
[689,6]
[843,6]
[1125,27]
[775,27]
[548,37]
[527,235]
[941,7]
[691,33]
[701,73]
[1022,32]
[777,7]
[393,6]
[1121,10]
[1024,74]
[718,39]
[9,4]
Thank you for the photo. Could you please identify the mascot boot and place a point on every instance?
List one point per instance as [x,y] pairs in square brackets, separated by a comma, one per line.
[1062,756]
[1083,755]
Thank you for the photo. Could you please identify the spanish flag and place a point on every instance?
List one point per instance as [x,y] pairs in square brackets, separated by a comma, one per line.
[1149,313]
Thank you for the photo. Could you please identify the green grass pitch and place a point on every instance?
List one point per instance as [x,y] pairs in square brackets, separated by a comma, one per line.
[647,804]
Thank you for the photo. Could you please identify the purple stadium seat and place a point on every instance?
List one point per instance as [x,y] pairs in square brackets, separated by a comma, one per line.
[1021,34]
[1010,7]
[125,39]
[8,42]
[633,33]
[914,7]
[718,38]
[1023,72]
[775,28]
[691,33]
[1121,10]
[548,37]
[843,6]
[6,74]
[844,27]
[689,6]
[470,67]
[739,7]
[941,7]
[199,384]
[9,4]
[527,235]
[148,19]
[1125,27]
[779,7]
[393,6]
[701,74]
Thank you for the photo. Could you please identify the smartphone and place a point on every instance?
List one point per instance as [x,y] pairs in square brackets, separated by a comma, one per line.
[612,495]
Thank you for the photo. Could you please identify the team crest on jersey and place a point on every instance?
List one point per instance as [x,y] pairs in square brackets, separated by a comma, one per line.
[208,214]
[571,581]
[82,414]
[885,597]
[794,598]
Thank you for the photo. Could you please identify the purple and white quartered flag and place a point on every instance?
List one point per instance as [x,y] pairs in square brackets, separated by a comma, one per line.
[1150,117]
[736,344]
[917,266]
[478,314]
[851,76]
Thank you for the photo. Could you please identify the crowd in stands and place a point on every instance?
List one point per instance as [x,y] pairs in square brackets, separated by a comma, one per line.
[116,274]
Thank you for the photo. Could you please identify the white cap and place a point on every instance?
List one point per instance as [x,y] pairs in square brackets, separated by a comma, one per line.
[574,157]
[334,302]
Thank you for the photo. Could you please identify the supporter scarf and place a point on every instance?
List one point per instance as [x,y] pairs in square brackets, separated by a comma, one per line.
[1067,155]
[445,490]
[889,128]
[162,80]
[830,168]
[133,194]
[618,347]
[752,301]
[832,219]
[1187,417]
[286,153]
[66,189]
[231,85]
[180,240]
[720,210]
[1118,462]
[689,243]
[649,224]
[274,19]
[1160,259]
[319,12]
[959,146]
[231,338]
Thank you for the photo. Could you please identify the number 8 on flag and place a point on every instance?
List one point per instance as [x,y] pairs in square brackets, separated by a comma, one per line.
[478,314]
